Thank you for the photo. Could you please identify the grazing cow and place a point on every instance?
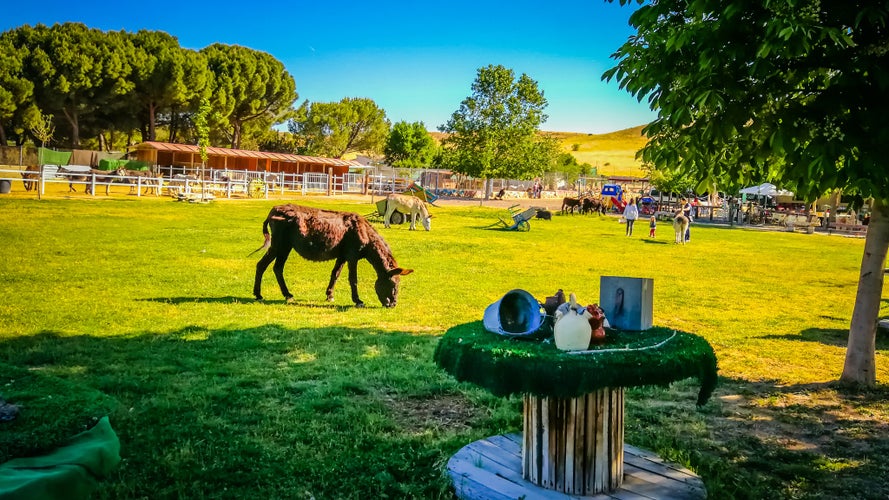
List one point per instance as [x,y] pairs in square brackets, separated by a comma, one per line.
[680,226]
[411,206]
[569,205]
[145,177]
[31,177]
[320,235]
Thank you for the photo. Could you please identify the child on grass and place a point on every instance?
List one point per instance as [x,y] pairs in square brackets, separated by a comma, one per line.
[652,225]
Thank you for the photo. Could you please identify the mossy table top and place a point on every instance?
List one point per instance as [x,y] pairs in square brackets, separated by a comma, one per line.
[510,365]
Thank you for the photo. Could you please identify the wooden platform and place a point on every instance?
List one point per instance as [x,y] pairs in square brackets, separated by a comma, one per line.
[491,469]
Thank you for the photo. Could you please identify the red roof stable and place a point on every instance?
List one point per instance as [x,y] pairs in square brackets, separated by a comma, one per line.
[165,154]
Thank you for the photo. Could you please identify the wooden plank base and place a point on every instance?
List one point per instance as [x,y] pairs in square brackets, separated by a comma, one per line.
[491,469]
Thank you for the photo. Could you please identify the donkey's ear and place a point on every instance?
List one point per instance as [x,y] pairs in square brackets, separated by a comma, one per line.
[399,271]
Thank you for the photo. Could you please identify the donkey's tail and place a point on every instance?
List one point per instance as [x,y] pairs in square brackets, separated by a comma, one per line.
[265,233]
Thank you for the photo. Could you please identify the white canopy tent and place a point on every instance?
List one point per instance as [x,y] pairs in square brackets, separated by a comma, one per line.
[765,189]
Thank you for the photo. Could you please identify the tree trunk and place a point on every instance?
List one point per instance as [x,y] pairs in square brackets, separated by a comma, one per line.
[174,125]
[236,134]
[152,112]
[75,127]
[860,365]
[2,135]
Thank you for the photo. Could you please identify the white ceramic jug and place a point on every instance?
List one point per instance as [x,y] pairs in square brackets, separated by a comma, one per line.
[572,330]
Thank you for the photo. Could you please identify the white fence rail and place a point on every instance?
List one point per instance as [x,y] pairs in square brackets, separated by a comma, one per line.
[188,182]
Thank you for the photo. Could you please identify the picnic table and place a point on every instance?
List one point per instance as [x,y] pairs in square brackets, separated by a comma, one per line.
[573,417]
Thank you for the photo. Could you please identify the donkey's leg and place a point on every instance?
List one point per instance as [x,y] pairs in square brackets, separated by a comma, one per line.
[387,215]
[280,260]
[334,275]
[261,266]
[353,282]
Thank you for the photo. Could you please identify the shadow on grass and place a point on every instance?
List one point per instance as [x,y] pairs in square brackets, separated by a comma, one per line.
[316,304]
[837,337]
[305,408]
[760,439]
[654,242]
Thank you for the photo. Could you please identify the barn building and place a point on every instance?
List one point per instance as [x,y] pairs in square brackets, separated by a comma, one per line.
[165,155]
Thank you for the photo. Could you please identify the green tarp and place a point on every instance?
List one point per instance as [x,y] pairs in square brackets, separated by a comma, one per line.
[109,164]
[50,157]
[71,471]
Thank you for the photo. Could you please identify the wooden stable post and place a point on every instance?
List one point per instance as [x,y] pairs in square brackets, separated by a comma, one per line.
[575,446]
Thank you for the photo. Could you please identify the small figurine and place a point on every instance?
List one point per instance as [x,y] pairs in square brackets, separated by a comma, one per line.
[597,323]
[552,303]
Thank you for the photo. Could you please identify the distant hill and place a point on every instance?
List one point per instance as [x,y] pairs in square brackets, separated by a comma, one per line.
[613,153]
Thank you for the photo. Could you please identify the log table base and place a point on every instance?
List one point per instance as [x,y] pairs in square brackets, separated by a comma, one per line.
[575,445]
[491,469]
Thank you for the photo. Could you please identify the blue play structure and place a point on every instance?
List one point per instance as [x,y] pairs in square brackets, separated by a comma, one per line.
[614,193]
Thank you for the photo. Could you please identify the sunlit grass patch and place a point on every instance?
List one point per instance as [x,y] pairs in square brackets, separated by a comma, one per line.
[149,304]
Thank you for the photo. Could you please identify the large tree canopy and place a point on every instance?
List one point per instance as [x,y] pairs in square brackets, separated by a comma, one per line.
[494,132]
[336,128]
[409,145]
[249,85]
[789,92]
[75,70]
[17,108]
[165,77]
[93,82]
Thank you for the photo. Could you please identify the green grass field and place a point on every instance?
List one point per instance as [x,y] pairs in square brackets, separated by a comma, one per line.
[145,306]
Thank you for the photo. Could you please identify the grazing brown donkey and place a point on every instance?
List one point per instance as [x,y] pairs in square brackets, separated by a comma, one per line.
[31,177]
[320,235]
[570,204]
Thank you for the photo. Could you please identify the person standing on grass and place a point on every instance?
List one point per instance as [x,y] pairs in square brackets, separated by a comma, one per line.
[631,213]
[686,211]
[652,225]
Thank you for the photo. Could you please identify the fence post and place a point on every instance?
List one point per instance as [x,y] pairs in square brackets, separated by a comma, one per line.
[93,184]
[138,187]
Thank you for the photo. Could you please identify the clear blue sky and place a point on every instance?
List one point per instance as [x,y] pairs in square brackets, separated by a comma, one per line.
[416,60]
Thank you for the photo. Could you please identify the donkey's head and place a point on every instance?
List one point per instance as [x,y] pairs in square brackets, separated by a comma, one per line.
[425,218]
[387,286]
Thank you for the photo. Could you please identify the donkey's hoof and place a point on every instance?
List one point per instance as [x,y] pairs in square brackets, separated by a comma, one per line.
[330,298]
[288,300]
[259,298]
[359,304]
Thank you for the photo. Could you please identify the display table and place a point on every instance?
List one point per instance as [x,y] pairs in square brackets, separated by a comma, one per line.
[572,439]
